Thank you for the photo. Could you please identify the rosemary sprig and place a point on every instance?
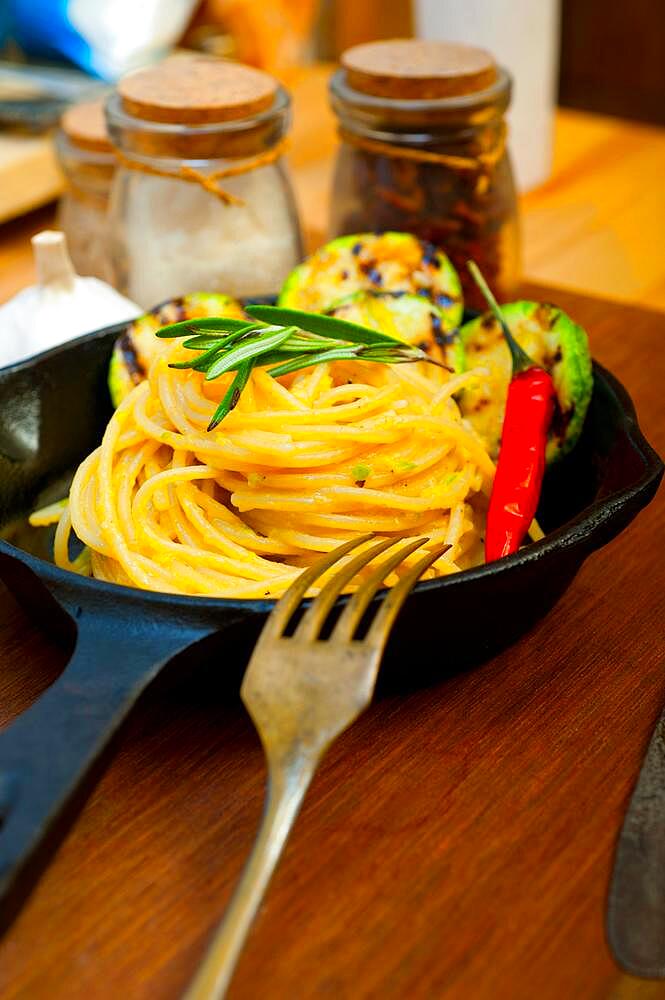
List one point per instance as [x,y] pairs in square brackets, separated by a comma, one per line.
[285,341]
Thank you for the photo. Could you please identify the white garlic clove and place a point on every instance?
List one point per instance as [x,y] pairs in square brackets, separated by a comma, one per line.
[61,307]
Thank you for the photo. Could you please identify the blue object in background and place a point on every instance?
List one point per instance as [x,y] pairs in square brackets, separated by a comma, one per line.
[4,23]
[42,28]
[105,38]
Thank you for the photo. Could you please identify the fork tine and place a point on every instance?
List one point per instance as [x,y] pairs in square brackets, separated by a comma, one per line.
[358,604]
[314,618]
[281,614]
[385,616]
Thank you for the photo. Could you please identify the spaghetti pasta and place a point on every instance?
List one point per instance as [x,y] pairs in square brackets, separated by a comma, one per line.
[302,463]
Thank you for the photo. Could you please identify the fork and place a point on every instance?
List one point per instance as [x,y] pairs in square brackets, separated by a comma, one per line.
[302,691]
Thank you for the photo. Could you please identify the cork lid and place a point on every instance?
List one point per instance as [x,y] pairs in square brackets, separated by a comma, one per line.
[194,90]
[412,69]
[85,126]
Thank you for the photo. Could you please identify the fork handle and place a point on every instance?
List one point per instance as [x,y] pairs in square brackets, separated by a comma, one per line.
[288,783]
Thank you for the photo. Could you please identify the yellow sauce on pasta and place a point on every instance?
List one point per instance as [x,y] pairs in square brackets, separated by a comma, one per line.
[299,466]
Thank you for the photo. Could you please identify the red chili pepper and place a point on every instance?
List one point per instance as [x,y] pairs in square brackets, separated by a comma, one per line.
[521,465]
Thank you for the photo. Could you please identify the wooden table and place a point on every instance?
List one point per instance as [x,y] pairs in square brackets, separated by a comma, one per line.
[456,844]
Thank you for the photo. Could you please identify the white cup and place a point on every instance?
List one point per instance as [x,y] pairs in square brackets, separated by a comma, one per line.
[523,36]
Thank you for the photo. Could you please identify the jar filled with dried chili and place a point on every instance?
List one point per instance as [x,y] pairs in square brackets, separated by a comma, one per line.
[424,151]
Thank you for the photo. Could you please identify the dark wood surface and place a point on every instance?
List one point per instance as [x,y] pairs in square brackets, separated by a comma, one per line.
[456,843]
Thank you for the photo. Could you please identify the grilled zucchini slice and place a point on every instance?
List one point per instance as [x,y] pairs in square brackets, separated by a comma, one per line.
[379,262]
[137,347]
[410,318]
[552,340]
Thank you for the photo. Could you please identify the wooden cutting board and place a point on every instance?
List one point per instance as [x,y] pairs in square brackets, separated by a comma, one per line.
[29,174]
[457,841]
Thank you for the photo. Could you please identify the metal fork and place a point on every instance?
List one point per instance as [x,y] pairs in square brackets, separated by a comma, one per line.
[302,692]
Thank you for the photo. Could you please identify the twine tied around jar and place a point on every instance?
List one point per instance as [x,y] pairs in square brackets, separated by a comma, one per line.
[209,182]
[483,163]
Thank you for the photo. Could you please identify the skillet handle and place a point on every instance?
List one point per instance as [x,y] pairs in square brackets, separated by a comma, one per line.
[50,756]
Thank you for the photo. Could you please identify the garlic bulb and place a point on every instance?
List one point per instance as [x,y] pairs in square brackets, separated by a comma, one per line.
[60,307]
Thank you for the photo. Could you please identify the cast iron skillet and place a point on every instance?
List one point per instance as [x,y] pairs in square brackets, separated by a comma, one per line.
[53,409]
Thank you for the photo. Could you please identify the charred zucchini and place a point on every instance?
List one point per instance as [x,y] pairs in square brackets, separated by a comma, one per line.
[552,340]
[384,262]
[410,318]
[135,349]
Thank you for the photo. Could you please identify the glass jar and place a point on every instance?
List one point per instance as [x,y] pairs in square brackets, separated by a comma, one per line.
[201,200]
[86,157]
[424,151]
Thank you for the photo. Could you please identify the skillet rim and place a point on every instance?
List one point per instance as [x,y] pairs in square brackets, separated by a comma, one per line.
[581,529]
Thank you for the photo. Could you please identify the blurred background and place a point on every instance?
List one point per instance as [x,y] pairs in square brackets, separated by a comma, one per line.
[586,122]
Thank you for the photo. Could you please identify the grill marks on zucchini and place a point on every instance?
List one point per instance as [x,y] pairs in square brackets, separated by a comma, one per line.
[397,263]
[552,340]
[410,318]
[137,347]
[131,359]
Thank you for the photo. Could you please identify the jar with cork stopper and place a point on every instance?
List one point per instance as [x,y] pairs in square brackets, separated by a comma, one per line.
[423,150]
[201,200]
[86,157]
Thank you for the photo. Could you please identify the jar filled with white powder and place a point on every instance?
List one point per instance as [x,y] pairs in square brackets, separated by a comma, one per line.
[201,201]
[86,157]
